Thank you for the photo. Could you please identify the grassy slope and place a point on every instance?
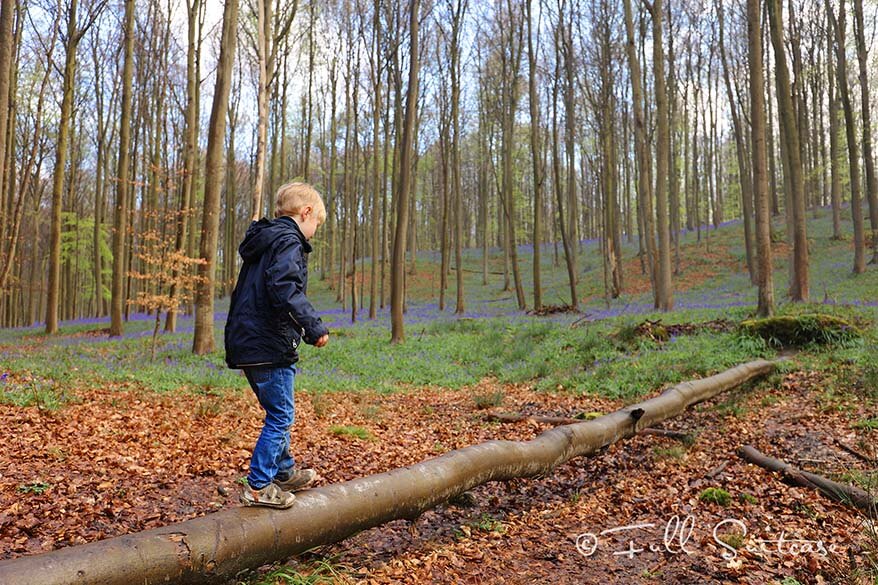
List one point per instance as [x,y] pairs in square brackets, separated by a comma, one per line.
[493,339]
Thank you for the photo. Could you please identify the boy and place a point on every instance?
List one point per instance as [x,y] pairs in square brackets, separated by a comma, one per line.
[269,317]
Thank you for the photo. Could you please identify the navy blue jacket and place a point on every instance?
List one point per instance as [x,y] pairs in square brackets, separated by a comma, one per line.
[270,315]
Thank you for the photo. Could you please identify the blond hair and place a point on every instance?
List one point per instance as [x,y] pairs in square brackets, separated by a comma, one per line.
[293,197]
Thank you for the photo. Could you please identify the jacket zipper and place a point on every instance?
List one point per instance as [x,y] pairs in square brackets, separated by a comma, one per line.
[301,329]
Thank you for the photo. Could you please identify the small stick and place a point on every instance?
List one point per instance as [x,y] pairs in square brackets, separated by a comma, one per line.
[854,452]
[718,469]
[846,494]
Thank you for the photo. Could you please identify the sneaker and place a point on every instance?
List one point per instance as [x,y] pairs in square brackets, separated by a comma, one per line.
[298,480]
[271,496]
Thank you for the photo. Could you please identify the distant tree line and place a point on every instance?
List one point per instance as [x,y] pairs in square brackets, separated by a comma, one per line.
[440,125]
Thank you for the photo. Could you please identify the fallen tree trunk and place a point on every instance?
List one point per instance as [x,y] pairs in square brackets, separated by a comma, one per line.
[846,494]
[566,420]
[221,545]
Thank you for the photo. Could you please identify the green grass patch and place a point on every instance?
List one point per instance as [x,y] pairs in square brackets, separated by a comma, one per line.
[37,488]
[44,394]
[489,400]
[803,330]
[715,496]
[869,424]
[676,452]
[318,572]
[488,523]
[352,431]
[746,498]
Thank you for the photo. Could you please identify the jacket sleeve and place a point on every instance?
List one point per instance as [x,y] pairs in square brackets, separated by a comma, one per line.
[286,291]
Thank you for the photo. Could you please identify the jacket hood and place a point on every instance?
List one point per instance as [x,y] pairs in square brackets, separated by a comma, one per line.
[263,234]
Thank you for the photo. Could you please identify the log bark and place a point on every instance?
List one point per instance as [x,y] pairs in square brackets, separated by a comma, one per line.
[846,494]
[218,546]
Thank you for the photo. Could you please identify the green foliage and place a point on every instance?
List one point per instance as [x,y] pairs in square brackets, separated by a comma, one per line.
[488,523]
[352,431]
[42,393]
[746,498]
[733,539]
[37,487]
[802,330]
[869,424]
[318,572]
[77,245]
[715,496]
[732,407]
[676,452]
[490,400]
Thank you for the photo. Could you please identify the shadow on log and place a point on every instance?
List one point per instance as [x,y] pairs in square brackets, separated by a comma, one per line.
[219,546]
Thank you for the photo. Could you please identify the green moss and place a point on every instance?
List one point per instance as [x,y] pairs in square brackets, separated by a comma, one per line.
[715,496]
[802,330]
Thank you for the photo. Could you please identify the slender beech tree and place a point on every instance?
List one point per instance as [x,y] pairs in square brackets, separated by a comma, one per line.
[195,16]
[511,45]
[123,182]
[834,113]
[765,305]
[792,157]
[664,296]
[536,152]
[866,113]
[7,15]
[203,339]
[272,25]
[744,177]
[850,129]
[397,265]
[376,72]
[641,149]
[458,9]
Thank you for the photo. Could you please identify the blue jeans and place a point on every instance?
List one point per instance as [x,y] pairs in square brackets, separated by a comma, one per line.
[271,458]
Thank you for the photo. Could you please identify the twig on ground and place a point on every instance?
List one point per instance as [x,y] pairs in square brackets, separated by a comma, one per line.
[846,494]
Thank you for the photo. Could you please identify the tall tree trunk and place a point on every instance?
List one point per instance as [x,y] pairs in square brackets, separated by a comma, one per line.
[7,14]
[190,137]
[397,266]
[740,148]
[203,340]
[263,48]
[834,154]
[556,181]
[376,159]
[312,19]
[664,292]
[850,129]
[536,156]
[120,223]
[54,285]
[866,112]
[511,72]
[456,25]
[765,266]
[332,199]
[799,283]
[641,149]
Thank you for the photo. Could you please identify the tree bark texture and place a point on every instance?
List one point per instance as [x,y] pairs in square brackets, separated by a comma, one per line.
[203,341]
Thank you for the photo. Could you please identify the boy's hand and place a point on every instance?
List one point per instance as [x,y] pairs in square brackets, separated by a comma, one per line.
[322,341]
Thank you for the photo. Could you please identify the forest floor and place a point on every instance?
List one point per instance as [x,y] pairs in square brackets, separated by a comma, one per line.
[102,441]
[117,460]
